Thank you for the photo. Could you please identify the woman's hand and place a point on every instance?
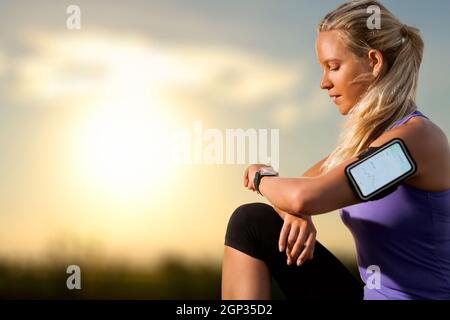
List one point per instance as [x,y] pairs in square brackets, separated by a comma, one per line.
[249,175]
[298,237]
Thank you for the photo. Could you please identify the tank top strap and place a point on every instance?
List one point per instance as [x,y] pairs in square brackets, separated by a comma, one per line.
[407,118]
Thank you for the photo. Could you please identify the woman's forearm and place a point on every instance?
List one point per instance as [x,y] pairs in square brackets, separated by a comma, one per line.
[283,193]
[281,213]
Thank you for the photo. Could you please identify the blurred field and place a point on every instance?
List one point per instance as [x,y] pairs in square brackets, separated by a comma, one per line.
[169,279]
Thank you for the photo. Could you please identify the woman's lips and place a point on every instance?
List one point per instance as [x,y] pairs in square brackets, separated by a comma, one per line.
[335,98]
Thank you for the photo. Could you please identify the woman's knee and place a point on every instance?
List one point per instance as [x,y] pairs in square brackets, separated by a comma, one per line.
[251,214]
[248,226]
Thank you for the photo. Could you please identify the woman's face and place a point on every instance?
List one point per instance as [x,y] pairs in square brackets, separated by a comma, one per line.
[340,68]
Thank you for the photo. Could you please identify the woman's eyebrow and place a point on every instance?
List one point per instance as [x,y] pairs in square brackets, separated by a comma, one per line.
[331,60]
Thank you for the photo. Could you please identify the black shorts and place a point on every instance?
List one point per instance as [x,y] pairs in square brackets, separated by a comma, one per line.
[255,228]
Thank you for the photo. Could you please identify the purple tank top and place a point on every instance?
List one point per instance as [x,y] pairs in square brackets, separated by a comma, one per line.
[407,236]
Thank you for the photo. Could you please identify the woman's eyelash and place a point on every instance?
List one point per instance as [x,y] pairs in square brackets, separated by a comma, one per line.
[334,68]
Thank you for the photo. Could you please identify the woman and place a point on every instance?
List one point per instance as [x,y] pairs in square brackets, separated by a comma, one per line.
[372,77]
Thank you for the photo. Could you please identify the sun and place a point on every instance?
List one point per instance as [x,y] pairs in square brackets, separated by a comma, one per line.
[125,141]
[124,152]
[122,90]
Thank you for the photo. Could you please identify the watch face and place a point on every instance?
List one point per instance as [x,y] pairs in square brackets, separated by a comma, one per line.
[268,171]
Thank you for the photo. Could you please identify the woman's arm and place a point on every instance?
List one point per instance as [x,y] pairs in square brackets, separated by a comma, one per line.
[331,190]
[314,171]
[303,247]
[311,196]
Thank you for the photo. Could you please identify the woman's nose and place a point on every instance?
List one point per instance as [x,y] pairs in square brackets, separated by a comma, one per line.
[325,83]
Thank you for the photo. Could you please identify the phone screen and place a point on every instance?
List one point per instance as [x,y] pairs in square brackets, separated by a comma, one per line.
[381,169]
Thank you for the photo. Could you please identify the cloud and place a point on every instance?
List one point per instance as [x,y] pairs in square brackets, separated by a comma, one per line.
[78,69]
[286,115]
[291,113]
[237,78]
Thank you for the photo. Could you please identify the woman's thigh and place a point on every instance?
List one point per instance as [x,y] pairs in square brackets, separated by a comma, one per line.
[255,228]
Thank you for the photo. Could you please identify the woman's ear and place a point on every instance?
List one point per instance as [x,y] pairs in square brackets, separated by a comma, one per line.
[376,61]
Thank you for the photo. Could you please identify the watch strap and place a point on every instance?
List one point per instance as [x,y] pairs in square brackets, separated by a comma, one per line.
[258,177]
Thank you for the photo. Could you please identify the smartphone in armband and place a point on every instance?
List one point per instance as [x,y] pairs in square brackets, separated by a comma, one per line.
[377,174]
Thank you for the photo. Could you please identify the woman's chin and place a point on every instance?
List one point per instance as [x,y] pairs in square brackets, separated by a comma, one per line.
[343,110]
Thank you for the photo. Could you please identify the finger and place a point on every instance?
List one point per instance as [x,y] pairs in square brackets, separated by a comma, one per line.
[246,177]
[288,256]
[296,250]
[250,184]
[309,246]
[292,238]
[299,244]
[283,236]
[313,246]
[312,252]
[311,256]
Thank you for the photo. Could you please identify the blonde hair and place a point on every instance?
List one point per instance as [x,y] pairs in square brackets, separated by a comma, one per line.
[391,95]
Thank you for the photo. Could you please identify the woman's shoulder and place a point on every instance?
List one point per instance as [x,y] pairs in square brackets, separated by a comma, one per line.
[430,149]
[419,130]
[430,136]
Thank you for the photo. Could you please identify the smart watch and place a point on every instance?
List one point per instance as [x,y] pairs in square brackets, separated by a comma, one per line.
[261,173]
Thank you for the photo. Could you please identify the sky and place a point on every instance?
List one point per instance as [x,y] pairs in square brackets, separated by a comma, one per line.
[87,117]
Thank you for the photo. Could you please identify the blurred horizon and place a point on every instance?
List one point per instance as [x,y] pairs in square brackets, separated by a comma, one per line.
[84,117]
